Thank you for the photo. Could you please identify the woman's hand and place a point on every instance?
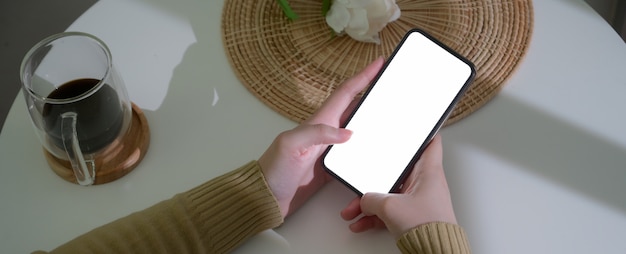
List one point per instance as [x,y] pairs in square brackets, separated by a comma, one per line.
[424,198]
[291,164]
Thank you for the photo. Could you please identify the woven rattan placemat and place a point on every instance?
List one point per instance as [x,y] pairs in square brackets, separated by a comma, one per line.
[292,66]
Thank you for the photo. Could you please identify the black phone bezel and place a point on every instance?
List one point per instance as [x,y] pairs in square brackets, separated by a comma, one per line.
[435,129]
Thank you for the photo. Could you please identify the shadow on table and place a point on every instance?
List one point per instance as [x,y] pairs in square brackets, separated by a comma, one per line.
[551,148]
[200,98]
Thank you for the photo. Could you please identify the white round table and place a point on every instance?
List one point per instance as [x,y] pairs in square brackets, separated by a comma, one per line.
[540,169]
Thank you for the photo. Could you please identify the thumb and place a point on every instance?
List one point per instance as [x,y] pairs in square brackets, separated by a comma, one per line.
[321,134]
[373,204]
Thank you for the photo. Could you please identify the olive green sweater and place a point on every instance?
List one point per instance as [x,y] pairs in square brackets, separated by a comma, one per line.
[222,213]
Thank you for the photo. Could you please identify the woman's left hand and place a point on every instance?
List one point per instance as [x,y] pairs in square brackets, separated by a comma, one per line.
[291,164]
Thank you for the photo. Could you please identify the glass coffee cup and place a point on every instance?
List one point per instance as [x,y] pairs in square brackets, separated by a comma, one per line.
[77,101]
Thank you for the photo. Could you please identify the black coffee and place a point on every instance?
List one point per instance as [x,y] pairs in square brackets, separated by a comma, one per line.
[99,116]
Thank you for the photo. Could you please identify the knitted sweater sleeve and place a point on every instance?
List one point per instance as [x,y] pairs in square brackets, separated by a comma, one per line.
[214,217]
[219,215]
[435,238]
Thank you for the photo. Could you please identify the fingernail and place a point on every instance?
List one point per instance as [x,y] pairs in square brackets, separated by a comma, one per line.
[345,133]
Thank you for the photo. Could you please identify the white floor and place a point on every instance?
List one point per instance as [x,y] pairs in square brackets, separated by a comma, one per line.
[22,24]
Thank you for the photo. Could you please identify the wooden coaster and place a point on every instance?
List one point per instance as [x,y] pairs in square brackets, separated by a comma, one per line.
[118,159]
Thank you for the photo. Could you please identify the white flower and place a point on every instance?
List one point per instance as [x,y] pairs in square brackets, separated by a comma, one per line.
[362,19]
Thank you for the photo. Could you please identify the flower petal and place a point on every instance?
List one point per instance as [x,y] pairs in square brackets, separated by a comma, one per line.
[338,17]
[362,19]
[359,23]
[360,4]
[395,15]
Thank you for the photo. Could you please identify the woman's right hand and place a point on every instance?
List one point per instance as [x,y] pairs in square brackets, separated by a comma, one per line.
[424,198]
[291,165]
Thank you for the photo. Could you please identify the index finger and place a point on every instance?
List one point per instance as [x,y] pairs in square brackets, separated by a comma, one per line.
[330,112]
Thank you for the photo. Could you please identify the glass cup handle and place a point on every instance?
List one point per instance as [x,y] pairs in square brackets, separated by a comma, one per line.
[84,170]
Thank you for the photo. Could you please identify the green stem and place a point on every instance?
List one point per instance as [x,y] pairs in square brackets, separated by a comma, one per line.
[325,7]
[287,9]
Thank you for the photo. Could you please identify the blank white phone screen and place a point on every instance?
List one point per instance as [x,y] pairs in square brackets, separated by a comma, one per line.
[394,121]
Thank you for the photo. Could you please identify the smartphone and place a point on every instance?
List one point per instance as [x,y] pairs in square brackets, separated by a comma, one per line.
[398,115]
